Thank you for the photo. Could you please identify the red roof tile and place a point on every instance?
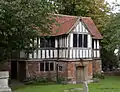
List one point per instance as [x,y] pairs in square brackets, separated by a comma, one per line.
[66,23]
[92,28]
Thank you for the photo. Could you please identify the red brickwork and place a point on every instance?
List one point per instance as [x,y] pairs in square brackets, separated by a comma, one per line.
[90,71]
[68,69]
[33,69]
[97,66]
[71,72]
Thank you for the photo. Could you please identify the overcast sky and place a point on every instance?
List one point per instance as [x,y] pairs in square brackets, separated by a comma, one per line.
[114,1]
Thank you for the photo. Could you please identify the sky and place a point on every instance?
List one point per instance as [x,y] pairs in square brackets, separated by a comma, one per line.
[116,9]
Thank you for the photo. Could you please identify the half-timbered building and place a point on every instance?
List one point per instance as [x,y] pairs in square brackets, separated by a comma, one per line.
[71,50]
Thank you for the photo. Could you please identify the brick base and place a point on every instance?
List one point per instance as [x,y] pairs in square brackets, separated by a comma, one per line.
[97,68]
[33,69]
[69,70]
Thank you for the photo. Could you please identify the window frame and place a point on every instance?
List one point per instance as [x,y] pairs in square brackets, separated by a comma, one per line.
[78,42]
[43,67]
[47,42]
[60,68]
[47,64]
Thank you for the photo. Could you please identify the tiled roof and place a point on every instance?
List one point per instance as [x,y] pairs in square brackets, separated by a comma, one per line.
[66,23]
[92,28]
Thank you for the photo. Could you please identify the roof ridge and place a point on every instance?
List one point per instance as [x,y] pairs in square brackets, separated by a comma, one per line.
[68,20]
[66,15]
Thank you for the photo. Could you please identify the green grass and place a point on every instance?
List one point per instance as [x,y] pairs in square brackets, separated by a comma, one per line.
[109,84]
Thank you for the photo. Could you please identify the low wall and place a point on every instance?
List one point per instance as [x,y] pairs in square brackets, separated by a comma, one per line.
[112,73]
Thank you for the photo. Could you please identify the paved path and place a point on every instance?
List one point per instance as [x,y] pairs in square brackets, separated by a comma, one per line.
[16,84]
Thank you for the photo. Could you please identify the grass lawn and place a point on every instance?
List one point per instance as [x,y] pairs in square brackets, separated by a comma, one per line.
[109,84]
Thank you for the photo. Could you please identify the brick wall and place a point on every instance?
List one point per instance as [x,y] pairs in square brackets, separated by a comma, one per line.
[33,69]
[71,72]
[97,68]
[90,70]
[68,71]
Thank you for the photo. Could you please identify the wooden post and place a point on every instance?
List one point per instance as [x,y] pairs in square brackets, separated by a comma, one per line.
[57,75]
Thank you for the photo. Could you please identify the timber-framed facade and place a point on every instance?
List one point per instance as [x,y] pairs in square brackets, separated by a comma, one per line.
[72,51]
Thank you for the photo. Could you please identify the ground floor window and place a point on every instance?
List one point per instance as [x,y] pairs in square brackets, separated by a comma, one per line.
[50,66]
[47,66]
[60,68]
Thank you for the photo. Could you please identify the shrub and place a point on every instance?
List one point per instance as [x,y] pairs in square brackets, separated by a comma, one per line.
[60,80]
[99,76]
[36,80]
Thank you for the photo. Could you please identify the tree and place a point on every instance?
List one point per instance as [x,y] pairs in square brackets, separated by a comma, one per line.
[109,60]
[111,41]
[18,20]
[111,33]
[96,9]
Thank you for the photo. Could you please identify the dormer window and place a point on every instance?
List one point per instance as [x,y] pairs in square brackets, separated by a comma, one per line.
[80,40]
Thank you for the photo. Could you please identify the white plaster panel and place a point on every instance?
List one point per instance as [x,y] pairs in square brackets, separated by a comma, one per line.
[35,53]
[55,53]
[56,43]
[98,53]
[47,53]
[89,41]
[94,44]
[39,54]
[84,53]
[74,53]
[80,53]
[98,44]
[94,53]
[30,55]
[43,53]
[70,53]
[51,53]
[71,39]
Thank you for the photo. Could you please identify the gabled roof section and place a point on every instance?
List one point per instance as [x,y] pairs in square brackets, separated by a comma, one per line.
[92,28]
[66,23]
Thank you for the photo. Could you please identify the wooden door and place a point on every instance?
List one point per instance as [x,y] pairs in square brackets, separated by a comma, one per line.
[22,70]
[79,74]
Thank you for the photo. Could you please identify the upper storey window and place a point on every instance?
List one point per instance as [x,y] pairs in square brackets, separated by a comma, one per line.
[80,40]
[47,42]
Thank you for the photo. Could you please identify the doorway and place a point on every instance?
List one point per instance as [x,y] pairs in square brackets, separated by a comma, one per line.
[80,74]
[18,70]
[22,70]
[13,69]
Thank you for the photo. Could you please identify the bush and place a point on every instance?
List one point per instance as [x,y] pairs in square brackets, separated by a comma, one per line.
[35,80]
[60,80]
[99,76]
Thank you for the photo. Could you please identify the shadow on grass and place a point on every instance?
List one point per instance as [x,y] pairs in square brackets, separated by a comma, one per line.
[16,87]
